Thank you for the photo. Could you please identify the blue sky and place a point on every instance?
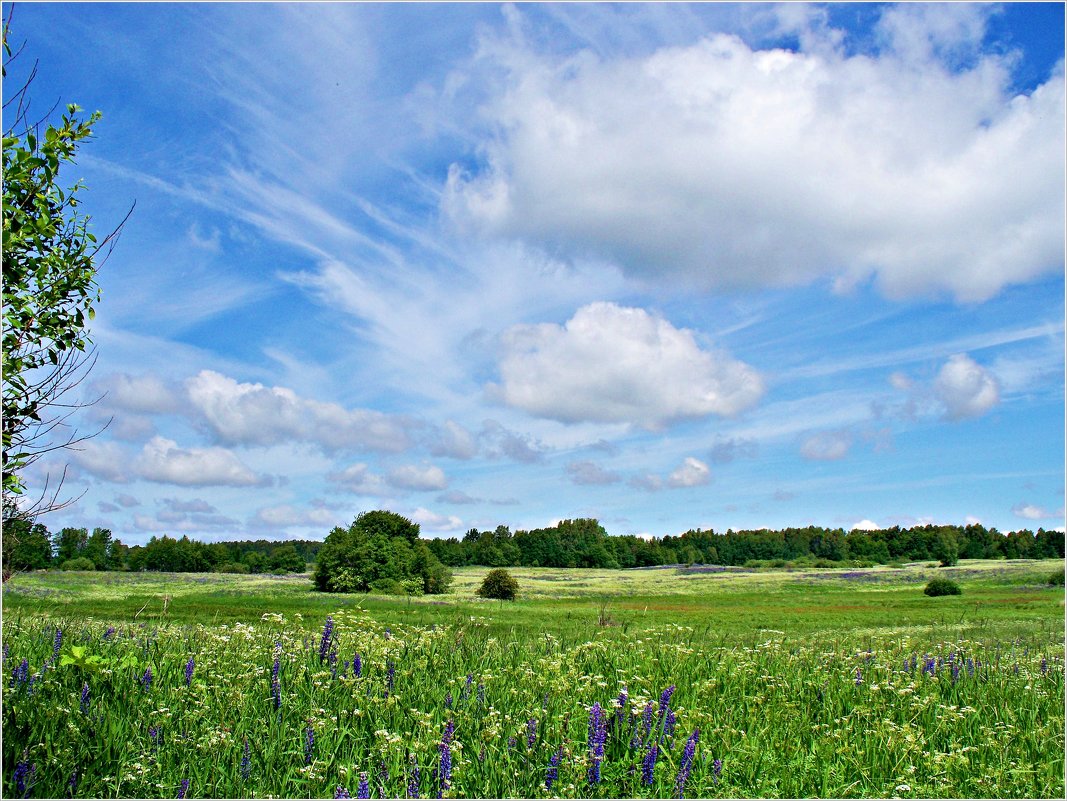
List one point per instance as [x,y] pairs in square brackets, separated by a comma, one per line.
[668,266]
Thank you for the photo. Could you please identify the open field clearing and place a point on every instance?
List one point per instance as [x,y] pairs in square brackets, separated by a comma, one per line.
[649,683]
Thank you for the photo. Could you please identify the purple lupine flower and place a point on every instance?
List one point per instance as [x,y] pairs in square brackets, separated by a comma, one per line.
[390,677]
[72,784]
[154,735]
[685,764]
[444,770]
[246,762]
[955,671]
[357,666]
[183,789]
[481,694]
[448,700]
[57,644]
[109,633]
[481,754]
[327,636]
[665,700]
[859,677]
[146,679]
[388,633]
[463,696]
[23,776]
[531,732]
[309,745]
[20,674]
[1044,665]
[85,698]
[553,769]
[930,666]
[970,666]
[190,666]
[341,792]
[363,790]
[646,720]
[275,686]
[413,778]
[512,742]
[597,735]
[716,769]
[648,765]
[669,723]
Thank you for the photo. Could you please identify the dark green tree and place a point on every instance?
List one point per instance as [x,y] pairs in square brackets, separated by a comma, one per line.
[27,546]
[380,551]
[500,584]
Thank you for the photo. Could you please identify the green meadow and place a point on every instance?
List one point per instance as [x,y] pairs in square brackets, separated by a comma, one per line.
[670,682]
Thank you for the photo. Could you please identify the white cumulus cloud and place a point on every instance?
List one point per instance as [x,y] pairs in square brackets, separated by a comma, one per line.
[163,461]
[613,364]
[717,164]
[418,477]
[965,388]
[691,473]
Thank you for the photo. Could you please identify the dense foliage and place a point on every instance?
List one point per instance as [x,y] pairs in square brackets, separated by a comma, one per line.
[584,543]
[941,586]
[499,584]
[380,552]
[571,543]
[362,706]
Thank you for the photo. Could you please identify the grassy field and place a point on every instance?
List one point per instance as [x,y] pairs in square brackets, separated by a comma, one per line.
[785,683]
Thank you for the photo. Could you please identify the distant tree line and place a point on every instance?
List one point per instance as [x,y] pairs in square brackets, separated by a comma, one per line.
[30,546]
[584,543]
[570,543]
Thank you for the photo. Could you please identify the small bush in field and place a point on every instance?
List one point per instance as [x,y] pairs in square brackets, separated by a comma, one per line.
[79,563]
[942,586]
[500,584]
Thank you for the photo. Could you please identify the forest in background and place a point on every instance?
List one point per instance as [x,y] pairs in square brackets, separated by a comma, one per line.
[570,543]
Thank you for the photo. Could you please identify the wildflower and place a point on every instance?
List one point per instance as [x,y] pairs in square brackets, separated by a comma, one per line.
[930,666]
[23,776]
[597,736]
[413,778]
[57,644]
[153,734]
[553,769]
[189,667]
[309,745]
[463,696]
[390,677]
[444,770]
[72,784]
[685,764]
[623,700]
[970,666]
[357,666]
[859,677]
[109,633]
[531,732]
[20,673]
[481,694]
[716,769]
[646,720]
[6,649]
[85,697]
[363,791]
[648,765]
[665,699]
[327,636]
[183,789]
[275,687]
[341,792]
[1044,665]
[246,762]
[388,633]
[448,700]
[955,672]
[146,679]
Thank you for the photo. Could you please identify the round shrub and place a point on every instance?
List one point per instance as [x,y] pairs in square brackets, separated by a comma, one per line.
[78,563]
[942,586]
[235,567]
[500,584]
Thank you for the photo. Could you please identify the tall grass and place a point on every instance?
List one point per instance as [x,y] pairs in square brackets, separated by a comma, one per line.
[454,711]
